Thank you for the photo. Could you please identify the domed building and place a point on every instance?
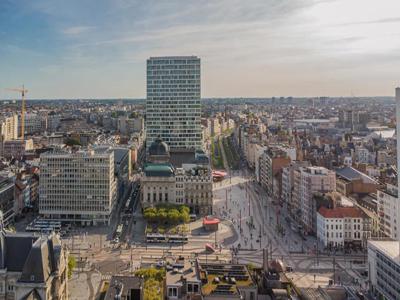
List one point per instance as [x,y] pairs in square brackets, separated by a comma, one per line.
[176,177]
[158,152]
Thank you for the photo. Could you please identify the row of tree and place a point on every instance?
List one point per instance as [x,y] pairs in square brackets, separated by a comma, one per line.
[167,214]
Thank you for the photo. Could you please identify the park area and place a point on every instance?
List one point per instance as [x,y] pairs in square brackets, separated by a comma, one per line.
[167,219]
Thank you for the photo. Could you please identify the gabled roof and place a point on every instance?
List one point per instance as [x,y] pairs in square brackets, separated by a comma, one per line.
[350,174]
[32,295]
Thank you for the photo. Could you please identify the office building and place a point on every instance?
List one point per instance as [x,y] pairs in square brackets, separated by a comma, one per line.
[388,211]
[77,187]
[173,108]
[384,269]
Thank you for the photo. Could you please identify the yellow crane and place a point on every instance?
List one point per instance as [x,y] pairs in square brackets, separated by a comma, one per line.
[23,91]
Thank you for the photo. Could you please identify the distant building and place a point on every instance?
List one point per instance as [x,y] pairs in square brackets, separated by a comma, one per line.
[8,130]
[173,107]
[17,148]
[77,187]
[34,124]
[351,181]
[32,267]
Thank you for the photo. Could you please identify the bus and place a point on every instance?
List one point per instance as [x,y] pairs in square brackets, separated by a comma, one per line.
[177,239]
[156,238]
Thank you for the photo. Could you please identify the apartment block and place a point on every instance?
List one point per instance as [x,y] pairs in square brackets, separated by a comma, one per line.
[308,181]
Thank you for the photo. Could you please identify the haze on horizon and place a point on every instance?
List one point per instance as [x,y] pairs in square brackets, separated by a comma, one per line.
[256,48]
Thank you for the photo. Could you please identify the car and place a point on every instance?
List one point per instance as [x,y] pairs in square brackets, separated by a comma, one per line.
[289,269]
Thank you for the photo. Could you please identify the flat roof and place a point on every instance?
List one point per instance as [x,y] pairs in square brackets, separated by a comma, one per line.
[188,272]
[389,248]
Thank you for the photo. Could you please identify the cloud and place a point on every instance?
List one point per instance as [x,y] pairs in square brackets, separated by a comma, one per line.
[77,30]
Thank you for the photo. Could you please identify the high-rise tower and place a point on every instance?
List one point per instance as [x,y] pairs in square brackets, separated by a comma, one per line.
[173,108]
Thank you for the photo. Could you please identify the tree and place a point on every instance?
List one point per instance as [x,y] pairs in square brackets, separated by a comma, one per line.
[71,265]
[173,216]
[72,142]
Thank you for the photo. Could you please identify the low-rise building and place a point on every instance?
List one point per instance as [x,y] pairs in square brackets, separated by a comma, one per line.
[125,287]
[32,267]
[343,227]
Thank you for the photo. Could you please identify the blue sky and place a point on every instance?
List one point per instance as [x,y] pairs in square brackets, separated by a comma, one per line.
[254,48]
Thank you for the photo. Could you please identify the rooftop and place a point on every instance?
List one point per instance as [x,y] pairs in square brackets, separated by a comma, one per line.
[182,270]
[163,170]
[224,279]
[122,285]
[341,212]
[350,174]
[389,248]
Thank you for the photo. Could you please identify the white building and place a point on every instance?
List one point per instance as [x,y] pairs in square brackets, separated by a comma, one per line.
[384,269]
[288,183]
[77,187]
[388,206]
[343,227]
[173,107]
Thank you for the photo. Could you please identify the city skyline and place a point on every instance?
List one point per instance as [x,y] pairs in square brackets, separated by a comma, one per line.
[258,49]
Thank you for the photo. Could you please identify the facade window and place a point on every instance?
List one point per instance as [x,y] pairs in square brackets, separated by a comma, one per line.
[160,197]
[166,197]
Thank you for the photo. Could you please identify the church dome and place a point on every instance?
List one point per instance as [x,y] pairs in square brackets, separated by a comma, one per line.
[158,148]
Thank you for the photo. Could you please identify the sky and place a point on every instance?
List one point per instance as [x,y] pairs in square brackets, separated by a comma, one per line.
[252,48]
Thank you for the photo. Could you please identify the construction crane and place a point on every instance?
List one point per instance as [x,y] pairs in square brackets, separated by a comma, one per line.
[23,91]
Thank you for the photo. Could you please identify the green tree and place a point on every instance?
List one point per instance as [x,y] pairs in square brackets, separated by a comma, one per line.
[71,265]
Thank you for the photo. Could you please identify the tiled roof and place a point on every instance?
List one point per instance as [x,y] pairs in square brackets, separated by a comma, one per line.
[341,212]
